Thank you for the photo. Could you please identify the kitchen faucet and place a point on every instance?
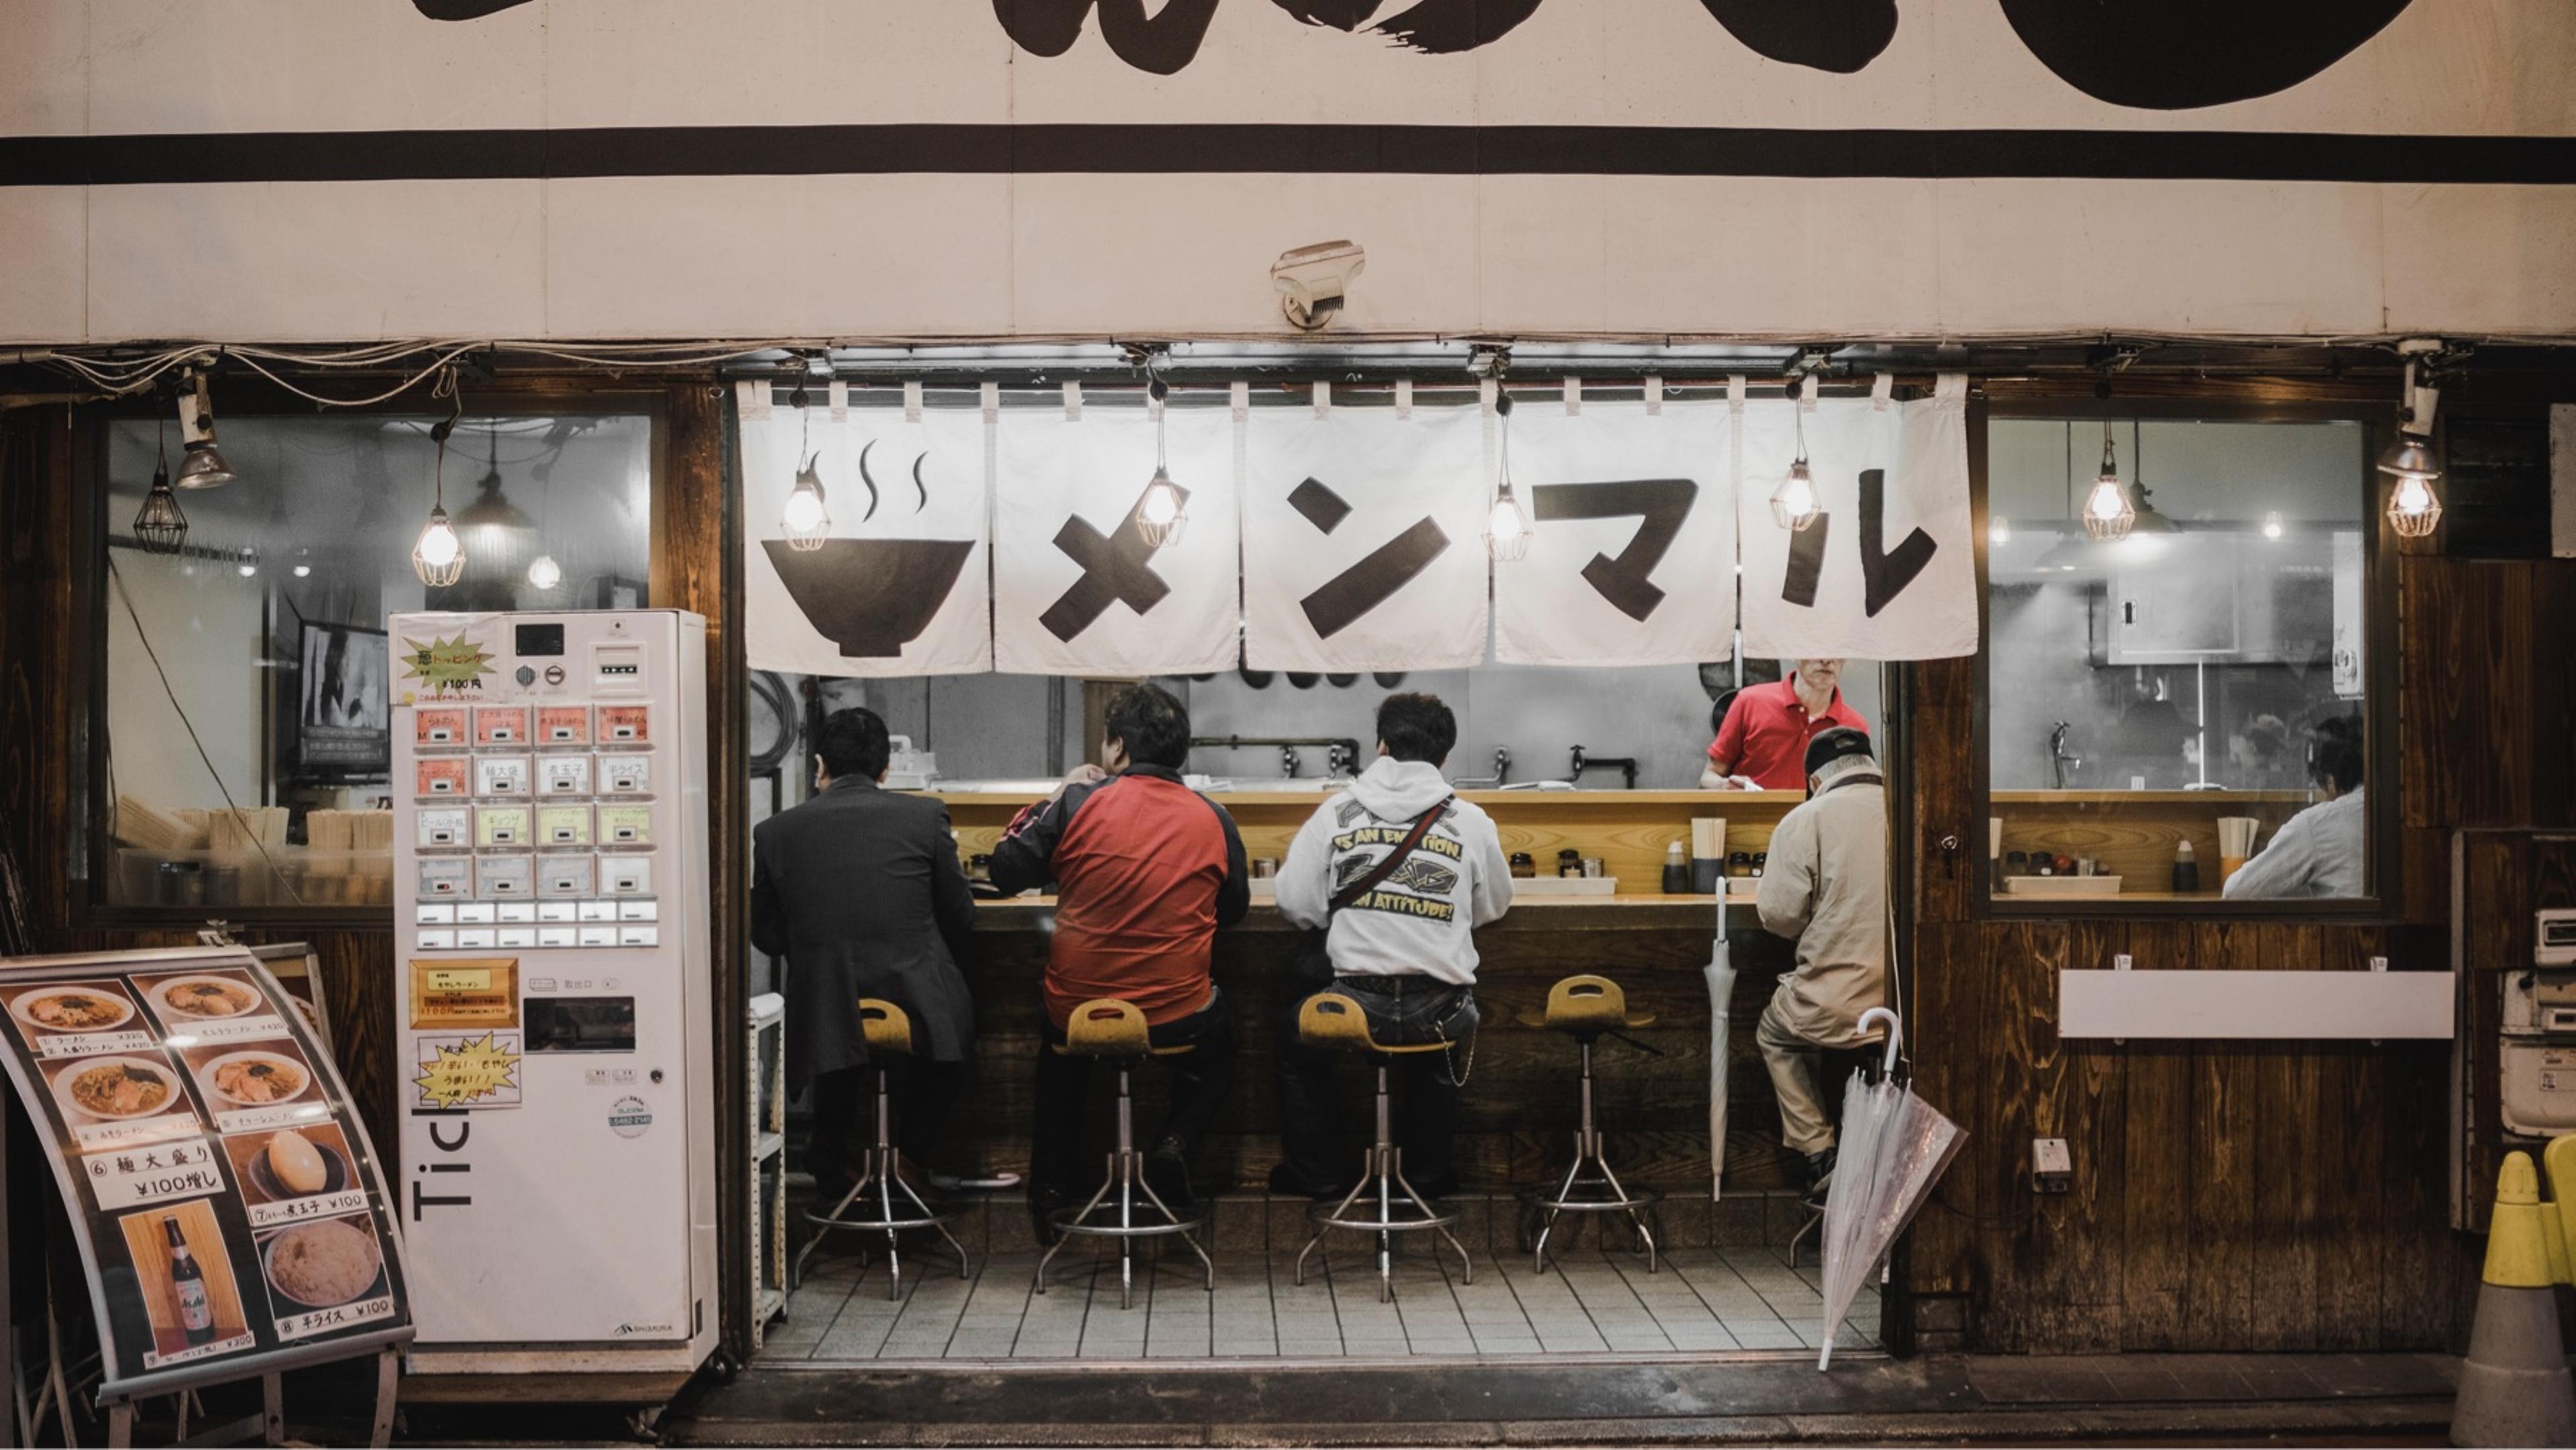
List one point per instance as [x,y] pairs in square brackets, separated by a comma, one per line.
[2059,761]
[1502,772]
[1288,761]
[1627,765]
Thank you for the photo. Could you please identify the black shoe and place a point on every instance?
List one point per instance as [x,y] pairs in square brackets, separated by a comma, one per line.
[1167,1172]
[1820,1174]
[1287,1184]
[1043,1202]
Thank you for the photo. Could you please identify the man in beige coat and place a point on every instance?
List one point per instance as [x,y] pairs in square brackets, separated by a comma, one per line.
[1826,886]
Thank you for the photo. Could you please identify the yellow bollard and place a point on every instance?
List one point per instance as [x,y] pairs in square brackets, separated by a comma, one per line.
[2514,1386]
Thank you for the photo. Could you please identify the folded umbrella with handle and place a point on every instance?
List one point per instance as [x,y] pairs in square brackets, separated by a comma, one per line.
[1894,1146]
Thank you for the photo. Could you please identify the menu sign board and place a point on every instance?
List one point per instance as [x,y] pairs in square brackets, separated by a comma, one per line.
[231,1214]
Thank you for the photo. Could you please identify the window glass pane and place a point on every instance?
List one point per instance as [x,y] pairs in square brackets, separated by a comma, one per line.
[2184,704]
[249,669]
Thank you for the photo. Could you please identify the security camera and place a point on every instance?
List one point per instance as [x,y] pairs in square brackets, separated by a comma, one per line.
[1313,281]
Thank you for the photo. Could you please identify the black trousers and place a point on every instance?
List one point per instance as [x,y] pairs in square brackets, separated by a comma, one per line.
[1201,1078]
[845,1106]
[1315,1155]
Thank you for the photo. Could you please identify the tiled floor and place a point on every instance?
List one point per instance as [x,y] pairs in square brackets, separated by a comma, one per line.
[1590,1303]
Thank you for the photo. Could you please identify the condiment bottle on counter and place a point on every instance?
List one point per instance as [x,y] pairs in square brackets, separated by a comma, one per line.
[1761,861]
[1569,862]
[1522,865]
[2186,867]
[1740,864]
[1677,872]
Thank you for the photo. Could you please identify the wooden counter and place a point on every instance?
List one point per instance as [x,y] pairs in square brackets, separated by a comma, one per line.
[1628,829]
[1528,914]
[2135,832]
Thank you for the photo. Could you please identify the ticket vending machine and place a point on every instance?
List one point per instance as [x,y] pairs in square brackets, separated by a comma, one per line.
[552,1003]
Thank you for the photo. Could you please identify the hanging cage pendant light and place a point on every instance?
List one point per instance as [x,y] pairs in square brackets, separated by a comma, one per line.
[2413,507]
[1793,504]
[159,525]
[1507,530]
[1162,515]
[2108,511]
[439,556]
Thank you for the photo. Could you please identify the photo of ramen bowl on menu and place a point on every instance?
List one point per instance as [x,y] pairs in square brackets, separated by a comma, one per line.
[265,1084]
[115,1089]
[204,998]
[60,1009]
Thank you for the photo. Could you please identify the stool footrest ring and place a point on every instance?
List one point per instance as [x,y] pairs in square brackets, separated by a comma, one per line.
[1069,1220]
[933,1219]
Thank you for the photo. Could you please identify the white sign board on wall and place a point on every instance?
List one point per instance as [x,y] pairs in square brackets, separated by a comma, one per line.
[609,168]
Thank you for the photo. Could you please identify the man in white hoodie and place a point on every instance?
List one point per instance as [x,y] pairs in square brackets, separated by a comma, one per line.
[1397,924]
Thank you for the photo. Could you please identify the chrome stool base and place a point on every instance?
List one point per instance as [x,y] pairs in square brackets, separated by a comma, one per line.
[1127,1178]
[896,1208]
[1596,1191]
[1382,1176]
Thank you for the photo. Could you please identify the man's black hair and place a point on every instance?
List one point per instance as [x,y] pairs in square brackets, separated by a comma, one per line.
[853,744]
[1416,727]
[2336,756]
[1151,723]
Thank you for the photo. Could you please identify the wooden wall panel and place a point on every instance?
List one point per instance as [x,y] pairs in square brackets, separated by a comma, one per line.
[2156,1208]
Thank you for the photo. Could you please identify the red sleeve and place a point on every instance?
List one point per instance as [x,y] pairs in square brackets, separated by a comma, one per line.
[1729,744]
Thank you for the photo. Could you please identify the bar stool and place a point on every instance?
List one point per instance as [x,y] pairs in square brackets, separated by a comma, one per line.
[1112,1028]
[1583,1007]
[887,1031]
[1330,1019]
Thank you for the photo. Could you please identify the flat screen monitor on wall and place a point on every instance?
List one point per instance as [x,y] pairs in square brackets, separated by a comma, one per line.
[343,715]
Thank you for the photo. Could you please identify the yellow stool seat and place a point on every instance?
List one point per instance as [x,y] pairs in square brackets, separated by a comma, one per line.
[1331,1019]
[1112,1027]
[1586,1005]
[885,1027]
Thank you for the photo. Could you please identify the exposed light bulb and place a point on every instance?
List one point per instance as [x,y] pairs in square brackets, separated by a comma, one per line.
[1507,533]
[303,571]
[1163,513]
[1999,531]
[544,572]
[805,521]
[2414,508]
[203,464]
[439,557]
[1793,503]
[2272,524]
[247,564]
[2107,510]
[303,564]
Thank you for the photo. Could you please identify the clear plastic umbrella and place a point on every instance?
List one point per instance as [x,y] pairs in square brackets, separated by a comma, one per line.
[1893,1147]
[1720,972]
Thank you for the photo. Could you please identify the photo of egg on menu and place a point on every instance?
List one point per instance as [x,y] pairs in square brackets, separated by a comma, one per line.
[289,1175]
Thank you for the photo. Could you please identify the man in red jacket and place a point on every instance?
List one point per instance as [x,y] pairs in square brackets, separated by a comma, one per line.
[1145,871]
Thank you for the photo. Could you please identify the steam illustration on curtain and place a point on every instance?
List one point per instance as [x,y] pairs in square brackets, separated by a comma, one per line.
[1079,590]
[1363,545]
[901,585]
[1887,570]
[1631,558]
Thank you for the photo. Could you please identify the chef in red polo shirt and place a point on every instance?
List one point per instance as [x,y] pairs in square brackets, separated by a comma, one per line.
[1762,743]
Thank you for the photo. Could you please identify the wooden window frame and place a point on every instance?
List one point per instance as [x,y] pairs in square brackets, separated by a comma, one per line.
[90,811]
[2266,402]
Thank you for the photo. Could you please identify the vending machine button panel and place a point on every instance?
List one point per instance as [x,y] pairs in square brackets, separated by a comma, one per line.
[500,725]
[564,775]
[436,941]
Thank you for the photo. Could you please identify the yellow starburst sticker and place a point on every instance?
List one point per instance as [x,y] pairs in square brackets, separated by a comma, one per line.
[469,1070]
[446,666]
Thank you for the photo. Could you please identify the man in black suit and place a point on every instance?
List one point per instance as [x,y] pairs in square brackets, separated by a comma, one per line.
[860,890]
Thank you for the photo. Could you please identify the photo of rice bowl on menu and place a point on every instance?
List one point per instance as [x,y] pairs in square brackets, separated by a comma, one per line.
[324,1275]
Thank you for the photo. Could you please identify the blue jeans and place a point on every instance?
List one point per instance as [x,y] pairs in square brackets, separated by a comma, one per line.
[1314,1155]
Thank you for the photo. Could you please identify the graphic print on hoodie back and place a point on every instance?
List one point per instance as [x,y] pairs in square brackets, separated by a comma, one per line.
[1416,922]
